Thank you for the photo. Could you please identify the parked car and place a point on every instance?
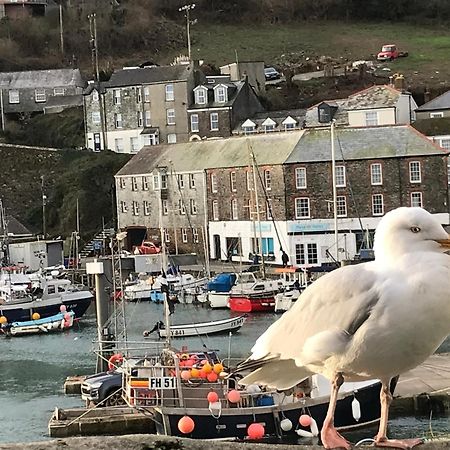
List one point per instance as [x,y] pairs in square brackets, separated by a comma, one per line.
[146,248]
[271,73]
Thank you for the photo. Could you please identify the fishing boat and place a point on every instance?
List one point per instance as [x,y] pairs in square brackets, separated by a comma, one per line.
[55,293]
[218,290]
[231,324]
[197,400]
[58,322]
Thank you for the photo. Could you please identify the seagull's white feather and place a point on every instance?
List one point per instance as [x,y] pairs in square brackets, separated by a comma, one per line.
[371,320]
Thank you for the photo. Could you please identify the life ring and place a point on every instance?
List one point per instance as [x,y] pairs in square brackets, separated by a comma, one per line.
[114,360]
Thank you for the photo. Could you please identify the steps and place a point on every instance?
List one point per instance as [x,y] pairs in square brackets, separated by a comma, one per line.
[97,242]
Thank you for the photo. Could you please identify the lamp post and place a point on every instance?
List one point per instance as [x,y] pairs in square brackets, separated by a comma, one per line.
[44,202]
[188,8]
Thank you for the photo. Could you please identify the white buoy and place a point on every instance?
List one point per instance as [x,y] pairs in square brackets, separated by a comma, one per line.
[356,409]
[286,425]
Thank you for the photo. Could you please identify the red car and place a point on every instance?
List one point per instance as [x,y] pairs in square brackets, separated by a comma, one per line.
[146,248]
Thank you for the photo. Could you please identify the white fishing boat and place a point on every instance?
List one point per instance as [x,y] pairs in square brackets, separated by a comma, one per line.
[231,324]
[285,300]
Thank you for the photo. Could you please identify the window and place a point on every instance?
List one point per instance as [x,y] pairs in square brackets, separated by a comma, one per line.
[139,118]
[171,138]
[146,94]
[414,172]
[233,244]
[148,119]
[195,235]
[194,123]
[95,96]
[118,145]
[416,199]
[170,114]
[191,181]
[135,208]
[144,183]
[146,208]
[214,120]
[165,207]
[184,235]
[300,254]
[377,205]
[215,210]
[13,96]
[371,118]
[39,96]
[134,186]
[116,97]
[166,235]
[59,91]
[445,143]
[436,115]
[340,176]
[269,209]
[122,183]
[220,94]
[341,204]
[123,206]
[312,253]
[96,117]
[200,96]
[138,95]
[156,183]
[118,120]
[151,139]
[193,206]
[163,181]
[234,209]
[247,129]
[300,178]
[170,96]
[249,207]
[180,180]
[249,181]
[134,144]
[376,174]
[302,208]
[267,180]
[233,181]
[181,207]
[213,183]
[267,246]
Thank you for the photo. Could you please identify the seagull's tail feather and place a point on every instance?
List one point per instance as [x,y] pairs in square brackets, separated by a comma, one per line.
[253,364]
[279,374]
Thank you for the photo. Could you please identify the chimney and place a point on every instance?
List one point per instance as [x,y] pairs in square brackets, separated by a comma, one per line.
[400,83]
[426,95]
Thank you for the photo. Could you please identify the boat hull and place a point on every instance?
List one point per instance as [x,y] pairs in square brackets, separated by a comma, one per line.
[47,325]
[23,311]
[233,422]
[218,299]
[247,304]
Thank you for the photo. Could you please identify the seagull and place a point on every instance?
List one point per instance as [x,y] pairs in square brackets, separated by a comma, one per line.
[372,320]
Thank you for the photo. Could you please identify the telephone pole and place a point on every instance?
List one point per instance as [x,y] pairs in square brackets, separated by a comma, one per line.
[61,32]
[188,8]
[94,54]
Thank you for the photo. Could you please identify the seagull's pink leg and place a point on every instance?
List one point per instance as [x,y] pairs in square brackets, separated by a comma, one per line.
[380,439]
[329,436]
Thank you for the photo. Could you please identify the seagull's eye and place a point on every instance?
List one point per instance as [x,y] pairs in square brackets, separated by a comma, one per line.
[415,229]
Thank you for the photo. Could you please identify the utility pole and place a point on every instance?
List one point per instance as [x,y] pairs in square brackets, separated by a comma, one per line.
[61,32]
[188,8]
[333,172]
[94,54]
[44,202]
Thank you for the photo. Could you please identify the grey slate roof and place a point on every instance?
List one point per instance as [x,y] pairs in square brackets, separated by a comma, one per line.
[277,116]
[438,103]
[382,96]
[233,91]
[41,78]
[147,75]
[270,149]
[340,117]
[15,227]
[363,143]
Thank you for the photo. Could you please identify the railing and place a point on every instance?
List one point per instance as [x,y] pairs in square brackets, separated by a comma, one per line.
[15,2]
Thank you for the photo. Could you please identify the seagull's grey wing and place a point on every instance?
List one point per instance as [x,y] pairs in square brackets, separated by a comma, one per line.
[324,317]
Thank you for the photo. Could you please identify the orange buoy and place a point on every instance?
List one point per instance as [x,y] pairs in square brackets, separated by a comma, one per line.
[186,425]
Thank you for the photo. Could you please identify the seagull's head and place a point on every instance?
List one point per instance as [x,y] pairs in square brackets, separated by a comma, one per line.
[405,230]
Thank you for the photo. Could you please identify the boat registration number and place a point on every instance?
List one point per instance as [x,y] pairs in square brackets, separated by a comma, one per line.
[162,383]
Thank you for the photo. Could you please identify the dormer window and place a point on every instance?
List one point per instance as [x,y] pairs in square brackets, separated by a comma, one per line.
[220,94]
[289,123]
[248,127]
[269,125]
[201,96]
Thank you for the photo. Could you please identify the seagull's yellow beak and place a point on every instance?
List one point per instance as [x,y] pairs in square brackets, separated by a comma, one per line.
[444,242]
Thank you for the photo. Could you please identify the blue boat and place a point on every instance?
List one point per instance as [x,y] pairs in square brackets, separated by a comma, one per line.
[58,322]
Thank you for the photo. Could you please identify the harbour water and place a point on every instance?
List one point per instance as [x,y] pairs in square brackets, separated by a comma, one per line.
[33,369]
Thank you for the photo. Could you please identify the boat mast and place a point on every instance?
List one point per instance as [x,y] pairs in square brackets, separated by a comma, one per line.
[333,171]
[258,217]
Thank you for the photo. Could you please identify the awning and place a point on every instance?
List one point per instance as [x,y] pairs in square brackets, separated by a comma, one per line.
[150,130]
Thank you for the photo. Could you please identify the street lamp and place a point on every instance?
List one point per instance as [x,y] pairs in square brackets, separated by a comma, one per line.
[188,8]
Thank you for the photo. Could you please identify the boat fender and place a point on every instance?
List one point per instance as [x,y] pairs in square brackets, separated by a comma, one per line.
[356,409]
[314,429]
[114,360]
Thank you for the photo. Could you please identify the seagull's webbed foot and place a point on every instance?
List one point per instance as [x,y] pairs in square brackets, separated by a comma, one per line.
[404,444]
[331,439]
